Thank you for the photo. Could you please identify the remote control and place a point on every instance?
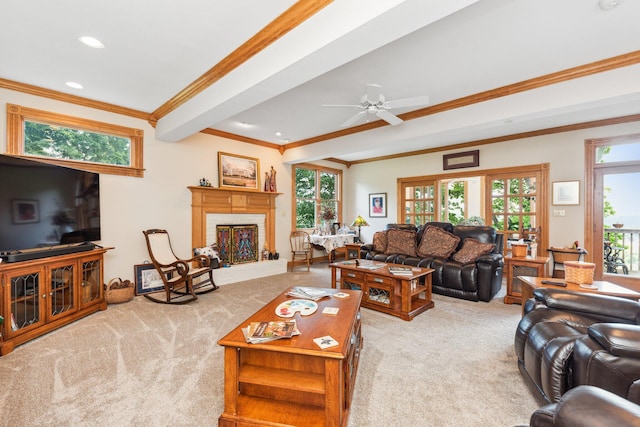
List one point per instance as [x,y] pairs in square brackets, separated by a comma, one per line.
[551,282]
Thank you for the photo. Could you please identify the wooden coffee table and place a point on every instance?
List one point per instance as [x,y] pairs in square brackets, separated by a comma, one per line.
[602,287]
[291,381]
[401,296]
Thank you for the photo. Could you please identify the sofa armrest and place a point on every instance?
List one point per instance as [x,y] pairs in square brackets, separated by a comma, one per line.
[367,247]
[493,259]
[619,339]
[603,307]
[587,406]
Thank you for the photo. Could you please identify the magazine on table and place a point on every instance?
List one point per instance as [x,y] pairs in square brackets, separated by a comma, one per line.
[313,294]
[259,332]
[369,265]
[401,271]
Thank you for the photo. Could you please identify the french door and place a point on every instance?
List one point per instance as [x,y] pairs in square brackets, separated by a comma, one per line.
[612,223]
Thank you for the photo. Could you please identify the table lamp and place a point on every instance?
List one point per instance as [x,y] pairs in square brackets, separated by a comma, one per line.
[359,222]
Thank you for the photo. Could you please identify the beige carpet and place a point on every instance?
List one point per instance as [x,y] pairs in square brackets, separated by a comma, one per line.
[147,364]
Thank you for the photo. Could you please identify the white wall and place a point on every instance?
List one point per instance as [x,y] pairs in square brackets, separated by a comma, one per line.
[564,152]
[161,198]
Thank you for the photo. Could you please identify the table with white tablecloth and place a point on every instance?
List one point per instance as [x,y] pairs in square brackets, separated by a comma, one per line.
[331,242]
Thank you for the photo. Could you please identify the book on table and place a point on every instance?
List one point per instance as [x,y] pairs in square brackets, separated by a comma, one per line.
[259,332]
[401,271]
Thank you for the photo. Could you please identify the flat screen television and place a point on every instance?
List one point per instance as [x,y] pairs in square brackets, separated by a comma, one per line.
[44,205]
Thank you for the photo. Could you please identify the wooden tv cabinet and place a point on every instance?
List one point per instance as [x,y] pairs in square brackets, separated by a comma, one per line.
[40,295]
[292,382]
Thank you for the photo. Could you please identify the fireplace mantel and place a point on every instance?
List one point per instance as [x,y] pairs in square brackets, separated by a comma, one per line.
[210,200]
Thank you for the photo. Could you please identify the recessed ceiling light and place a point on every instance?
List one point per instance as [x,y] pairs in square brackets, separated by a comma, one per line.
[74,85]
[245,124]
[278,133]
[91,42]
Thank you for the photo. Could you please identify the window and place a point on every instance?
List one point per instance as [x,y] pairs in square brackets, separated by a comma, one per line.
[512,200]
[74,142]
[419,202]
[317,190]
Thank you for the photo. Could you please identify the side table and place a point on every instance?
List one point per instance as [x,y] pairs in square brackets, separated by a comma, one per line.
[600,287]
[521,266]
[353,250]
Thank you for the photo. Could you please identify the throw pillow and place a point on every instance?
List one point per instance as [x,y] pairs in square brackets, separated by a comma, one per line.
[401,242]
[437,242]
[380,241]
[471,249]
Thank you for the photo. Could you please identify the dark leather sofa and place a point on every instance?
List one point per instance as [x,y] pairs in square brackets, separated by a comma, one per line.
[587,406]
[566,339]
[478,280]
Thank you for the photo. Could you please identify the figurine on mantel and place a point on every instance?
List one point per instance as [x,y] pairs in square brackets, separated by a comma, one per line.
[205,183]
[270,181]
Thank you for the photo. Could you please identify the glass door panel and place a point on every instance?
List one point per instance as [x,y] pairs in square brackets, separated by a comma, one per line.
[61,297]
[90,287]
[621,224]
[25,300]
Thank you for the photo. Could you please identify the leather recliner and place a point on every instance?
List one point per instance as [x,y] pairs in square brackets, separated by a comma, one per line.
[587,406]
[567,338]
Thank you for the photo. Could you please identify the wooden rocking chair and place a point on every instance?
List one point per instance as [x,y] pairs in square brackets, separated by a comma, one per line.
[183,279]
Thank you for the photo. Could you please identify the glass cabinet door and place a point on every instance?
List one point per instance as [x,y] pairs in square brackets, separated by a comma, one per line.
[91,287]
[62,295]
[24,303]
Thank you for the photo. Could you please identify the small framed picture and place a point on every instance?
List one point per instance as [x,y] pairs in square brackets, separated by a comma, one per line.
[238,172]
[25,211]
[378,205]
[147,279]
[467,159]
[566,193]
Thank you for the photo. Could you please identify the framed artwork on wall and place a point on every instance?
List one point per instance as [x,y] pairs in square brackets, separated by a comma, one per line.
[239,172]
[566,193]
[468,159]
[378,205]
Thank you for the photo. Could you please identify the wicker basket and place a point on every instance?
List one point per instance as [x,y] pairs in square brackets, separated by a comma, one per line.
[519,249]
[118,291]
[579,272]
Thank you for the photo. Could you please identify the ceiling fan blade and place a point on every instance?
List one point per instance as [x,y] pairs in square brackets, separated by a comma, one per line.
[393,120]
[407,102]
[374,93]
[342,105]
[354,119]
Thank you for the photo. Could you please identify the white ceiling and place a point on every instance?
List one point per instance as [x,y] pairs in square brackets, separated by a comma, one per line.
[447,50]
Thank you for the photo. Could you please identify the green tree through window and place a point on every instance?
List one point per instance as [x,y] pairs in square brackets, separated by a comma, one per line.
[75,144]
[316,188]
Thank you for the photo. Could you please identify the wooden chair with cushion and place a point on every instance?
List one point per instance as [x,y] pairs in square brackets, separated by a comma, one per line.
[183,279]
[300,247]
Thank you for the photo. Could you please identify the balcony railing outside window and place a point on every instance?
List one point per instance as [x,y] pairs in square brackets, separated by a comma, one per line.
[625,247]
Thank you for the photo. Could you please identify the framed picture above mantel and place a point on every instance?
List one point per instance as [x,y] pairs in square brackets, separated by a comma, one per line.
[238,172]
[467,159]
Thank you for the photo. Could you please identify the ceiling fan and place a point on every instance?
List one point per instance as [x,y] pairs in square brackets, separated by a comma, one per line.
[373,102]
